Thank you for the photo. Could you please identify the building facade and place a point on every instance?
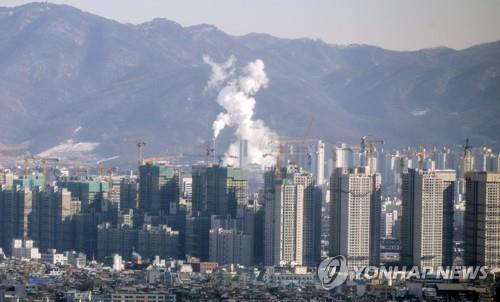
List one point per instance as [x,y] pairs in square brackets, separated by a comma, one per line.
[218,190]
[355,206]
[427,217]
[158,187]
[482,219]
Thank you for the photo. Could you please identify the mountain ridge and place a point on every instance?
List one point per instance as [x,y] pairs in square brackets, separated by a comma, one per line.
[62,68]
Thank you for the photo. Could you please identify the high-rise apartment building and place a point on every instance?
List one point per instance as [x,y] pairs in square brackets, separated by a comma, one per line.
[229,242]
[187,188]
[311,249]
[285,215]
[343,156]
[292,231]
[148,241]
[482,219]
[129,188]
[355,206]
[218,190]
[427,217]
[158,187]
[271,177]
[29,181]
[85,231]
[387,224]
[92,193]
[259,237]
[54,210]
[197,236]
[159,240]
[114,188]
[111,240]
[42,216]
[319,163]
[16,215]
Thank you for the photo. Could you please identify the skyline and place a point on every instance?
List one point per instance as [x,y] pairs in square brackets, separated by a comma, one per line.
[249,150]
[453,24]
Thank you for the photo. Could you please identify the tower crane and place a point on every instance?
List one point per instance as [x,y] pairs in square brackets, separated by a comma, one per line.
[281,144]
[44,161]
[209,149]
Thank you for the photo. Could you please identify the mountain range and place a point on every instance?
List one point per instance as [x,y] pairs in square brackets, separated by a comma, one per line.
[68,77]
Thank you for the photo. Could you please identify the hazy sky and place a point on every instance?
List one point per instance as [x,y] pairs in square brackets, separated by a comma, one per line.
[394,24]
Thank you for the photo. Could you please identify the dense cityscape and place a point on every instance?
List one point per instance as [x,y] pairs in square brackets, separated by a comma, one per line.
[172,231]
[169,151]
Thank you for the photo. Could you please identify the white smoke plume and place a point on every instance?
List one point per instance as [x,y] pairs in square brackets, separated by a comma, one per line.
[237,99]
[220,72]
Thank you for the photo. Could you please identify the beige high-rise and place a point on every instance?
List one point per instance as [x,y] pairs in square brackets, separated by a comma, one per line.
[355,207]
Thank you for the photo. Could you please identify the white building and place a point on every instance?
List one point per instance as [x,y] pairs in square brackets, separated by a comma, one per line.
[24,249]
[391,209]
[118,264]
[187,187]
[284,224]
[344,157]
[319,163]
